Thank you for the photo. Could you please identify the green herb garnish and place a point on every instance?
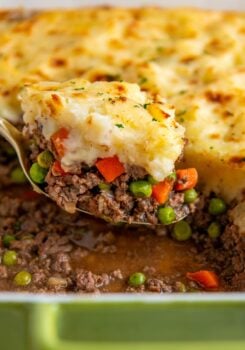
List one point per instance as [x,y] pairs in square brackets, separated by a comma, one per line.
[178,114]
[119,125]
[142,80]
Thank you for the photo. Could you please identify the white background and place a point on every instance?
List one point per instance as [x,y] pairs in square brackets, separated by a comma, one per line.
[215,4]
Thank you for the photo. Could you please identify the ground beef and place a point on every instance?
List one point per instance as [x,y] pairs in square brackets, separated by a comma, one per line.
[89,282]
[118,204]
[62,263]
[74,253]
[33,134]
[3,271]
[157,285]
[46,242]
[136,172]
[227,252]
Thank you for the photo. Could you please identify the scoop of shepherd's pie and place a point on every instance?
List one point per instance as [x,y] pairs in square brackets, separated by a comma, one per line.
[109,149]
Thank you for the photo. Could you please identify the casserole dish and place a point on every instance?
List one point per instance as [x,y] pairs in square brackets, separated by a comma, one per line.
[214,321]
[119,321]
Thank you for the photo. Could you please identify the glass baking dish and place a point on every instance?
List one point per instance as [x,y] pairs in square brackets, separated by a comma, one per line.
[214,321]
[205,321]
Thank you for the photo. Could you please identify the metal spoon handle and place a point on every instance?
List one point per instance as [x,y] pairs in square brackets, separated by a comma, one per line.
[11,134]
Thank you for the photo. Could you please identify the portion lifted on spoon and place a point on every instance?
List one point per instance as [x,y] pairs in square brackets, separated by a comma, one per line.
[109,149]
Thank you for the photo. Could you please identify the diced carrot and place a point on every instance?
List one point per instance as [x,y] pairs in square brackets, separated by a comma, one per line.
[207,279]
[57,169]
[186,179]
[161,191]
[110,168]
[58,140]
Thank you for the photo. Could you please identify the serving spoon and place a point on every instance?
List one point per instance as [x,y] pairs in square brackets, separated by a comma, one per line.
[11,134]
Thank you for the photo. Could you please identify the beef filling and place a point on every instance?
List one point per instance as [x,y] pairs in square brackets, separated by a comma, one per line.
[73,253]
[85,188]
[116,204]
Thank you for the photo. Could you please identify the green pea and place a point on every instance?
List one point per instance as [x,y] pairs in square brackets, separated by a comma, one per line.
[216,206]
[22,278]
[141,188]
[103,186]
[9,150]
[38,173]
[181,287]
[181,231]
[137,279]
[17,175]
[27,236]
[10,258]
[166,215]
[172,176]
[214,230]
[17,225]
[45,159]
[151,180]
[7,239]
[190,195]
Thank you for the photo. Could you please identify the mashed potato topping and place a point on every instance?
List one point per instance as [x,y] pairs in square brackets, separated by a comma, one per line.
[106,119]
[194,58]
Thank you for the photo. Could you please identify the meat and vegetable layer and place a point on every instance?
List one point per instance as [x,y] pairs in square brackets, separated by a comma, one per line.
[44,249]
[109,149]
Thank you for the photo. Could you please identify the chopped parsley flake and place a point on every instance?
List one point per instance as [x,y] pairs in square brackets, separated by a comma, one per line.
[142,80]
[146,104]
[81,88]
[182,92]
[154,119]
[120,125]
[206,52]
[180,113]
[17,226]
[160,49]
